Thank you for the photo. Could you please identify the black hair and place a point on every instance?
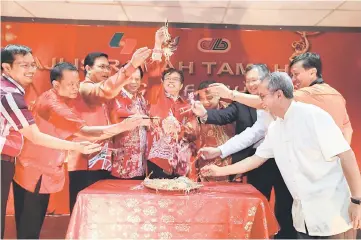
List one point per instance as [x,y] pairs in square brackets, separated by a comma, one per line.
[309,60]
[56,73]
[9,52]
[91,57]
[173,70]
[139,68]
[205,84]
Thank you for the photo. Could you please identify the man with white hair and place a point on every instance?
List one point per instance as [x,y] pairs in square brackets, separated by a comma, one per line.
[315,160]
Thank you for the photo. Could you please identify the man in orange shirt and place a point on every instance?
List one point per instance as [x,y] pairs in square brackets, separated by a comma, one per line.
[39,171]
[97,89]
[306,72]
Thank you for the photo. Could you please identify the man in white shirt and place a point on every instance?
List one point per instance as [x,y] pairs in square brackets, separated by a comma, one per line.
[315,160]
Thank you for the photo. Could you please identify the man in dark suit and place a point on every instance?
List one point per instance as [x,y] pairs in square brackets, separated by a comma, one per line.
[265,177]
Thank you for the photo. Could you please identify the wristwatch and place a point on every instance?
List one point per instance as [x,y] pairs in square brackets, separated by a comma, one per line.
[355,201]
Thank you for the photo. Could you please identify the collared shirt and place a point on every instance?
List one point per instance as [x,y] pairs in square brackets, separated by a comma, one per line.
[163,143]
[54,117]
[327,98]
[318,93]
[14,116]
[128,94]
[251,136]
[305,145]
[129,147]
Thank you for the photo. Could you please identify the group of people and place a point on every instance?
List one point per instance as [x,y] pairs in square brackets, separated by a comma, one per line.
[103,127]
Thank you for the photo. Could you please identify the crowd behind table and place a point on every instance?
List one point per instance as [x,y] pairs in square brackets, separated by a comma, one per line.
[287,132]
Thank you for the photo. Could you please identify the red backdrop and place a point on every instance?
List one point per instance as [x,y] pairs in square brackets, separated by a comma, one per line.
[340,52]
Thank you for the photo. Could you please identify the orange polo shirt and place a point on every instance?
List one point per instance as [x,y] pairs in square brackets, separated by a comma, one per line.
[329,99]
[55,116]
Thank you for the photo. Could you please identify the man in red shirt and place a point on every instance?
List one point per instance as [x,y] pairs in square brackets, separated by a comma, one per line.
[18,68]
[57,111]
[170,150]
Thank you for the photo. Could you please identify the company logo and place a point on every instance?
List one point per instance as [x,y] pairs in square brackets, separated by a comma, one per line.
[115,41]
[126,45]
[214,45]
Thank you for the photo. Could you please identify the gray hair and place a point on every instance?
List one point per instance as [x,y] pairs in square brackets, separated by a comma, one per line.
[280,81]
[261,68]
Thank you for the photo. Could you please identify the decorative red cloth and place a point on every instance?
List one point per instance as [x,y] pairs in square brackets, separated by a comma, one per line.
[124,209]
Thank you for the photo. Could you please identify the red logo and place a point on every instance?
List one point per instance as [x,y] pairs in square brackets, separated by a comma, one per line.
[214,45]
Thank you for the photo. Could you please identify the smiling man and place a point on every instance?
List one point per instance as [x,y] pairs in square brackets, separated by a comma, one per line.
[169,153]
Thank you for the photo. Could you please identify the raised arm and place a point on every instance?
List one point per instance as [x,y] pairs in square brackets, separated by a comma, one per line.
[221,90]
[111,87]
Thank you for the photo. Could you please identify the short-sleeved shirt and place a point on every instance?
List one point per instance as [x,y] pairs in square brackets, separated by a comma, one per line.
[14,116]
[305,145]
[54,116]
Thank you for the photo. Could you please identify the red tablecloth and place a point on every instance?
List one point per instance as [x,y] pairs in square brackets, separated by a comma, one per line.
[125,209]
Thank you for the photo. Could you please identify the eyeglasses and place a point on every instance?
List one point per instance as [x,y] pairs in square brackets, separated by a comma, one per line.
[262,97]
[27,65]
[172,79]
[105,67]
[251,81]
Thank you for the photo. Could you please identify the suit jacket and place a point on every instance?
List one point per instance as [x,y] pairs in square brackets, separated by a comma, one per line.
[244,117]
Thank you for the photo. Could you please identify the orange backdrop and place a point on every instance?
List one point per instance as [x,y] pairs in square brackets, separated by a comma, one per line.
[220,49]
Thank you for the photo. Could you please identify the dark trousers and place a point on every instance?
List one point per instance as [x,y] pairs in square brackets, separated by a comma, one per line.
[157,172]
[133,178]
[264,179]
[79,180]
[7,174]
[350,234]
[30,211]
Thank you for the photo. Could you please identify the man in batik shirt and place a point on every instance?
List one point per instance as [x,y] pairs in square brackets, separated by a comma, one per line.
[212,135]
[168,142]
[129,147]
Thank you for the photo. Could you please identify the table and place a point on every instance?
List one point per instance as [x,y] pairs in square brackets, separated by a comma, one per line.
[125,210]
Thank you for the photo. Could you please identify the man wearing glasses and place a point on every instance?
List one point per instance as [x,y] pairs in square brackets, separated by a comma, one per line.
[168,141]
